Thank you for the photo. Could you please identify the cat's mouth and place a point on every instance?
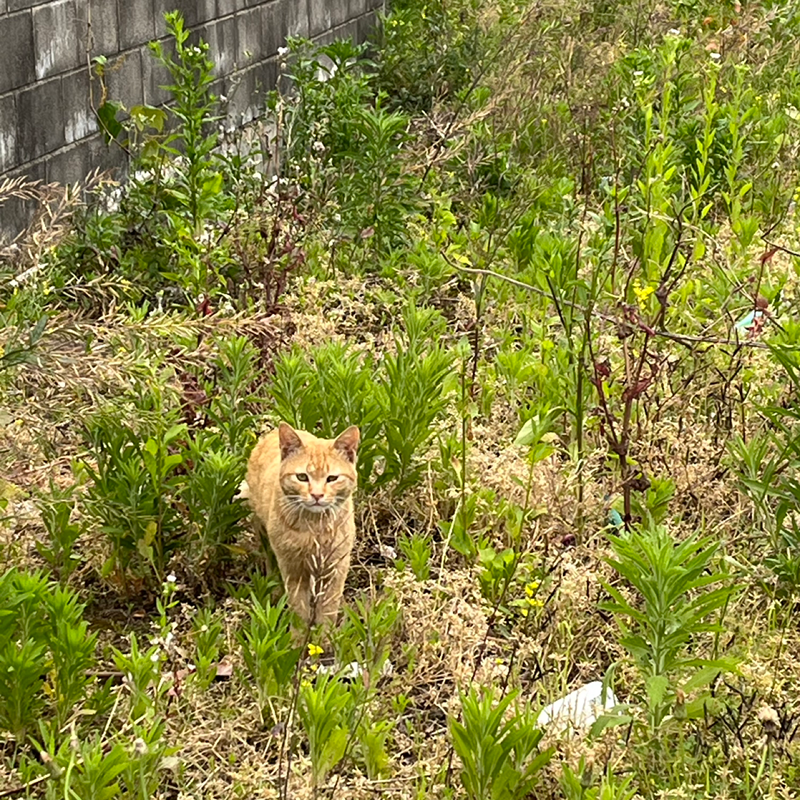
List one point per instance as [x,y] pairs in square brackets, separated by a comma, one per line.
[316,507]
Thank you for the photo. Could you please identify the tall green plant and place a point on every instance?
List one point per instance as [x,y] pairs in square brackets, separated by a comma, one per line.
[134,479]
[679,595]
[498,746]
[196,186]
[269,653]
[45,652]
[767,468]
[323,708]
[395,401]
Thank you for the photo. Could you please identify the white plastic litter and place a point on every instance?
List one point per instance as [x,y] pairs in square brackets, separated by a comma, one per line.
[352,670]
[579,709]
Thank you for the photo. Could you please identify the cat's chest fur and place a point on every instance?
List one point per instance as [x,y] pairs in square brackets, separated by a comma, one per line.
[301,490]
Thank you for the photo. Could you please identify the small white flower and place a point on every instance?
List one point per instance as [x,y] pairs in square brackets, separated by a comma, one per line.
[716,56]
[674,32]
[154,658]
[638,73]
[171,578]
[140,747]
[283,52]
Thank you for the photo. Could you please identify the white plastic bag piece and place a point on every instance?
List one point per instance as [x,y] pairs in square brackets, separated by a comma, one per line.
[579,709]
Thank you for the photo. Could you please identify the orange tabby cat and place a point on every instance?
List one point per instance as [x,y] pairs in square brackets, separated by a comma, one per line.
[300,488]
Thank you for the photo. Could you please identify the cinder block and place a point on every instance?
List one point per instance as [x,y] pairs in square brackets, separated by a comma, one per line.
[56,39]
[97,27]
[367,26]
[274,26]
[110,158]
[320,16]
[246,91]
[206,10]
[356,8]
[70,165]
[124,79]
[40,120]
[298,24]
[8,133]
[346,31]
[17,64]
[16,5]
[248,37]
[340,11]
[188,8]
[17,214]
[221,39]
[154,75]
[225,7]
[238,89]
[266,79]
[136,23]
[79,119]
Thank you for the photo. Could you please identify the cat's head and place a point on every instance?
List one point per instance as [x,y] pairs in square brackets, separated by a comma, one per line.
[319,475]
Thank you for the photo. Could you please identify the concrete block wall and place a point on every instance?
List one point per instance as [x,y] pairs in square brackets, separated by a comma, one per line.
[48,129]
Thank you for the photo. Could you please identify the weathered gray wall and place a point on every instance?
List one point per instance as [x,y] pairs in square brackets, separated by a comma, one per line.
[48,130]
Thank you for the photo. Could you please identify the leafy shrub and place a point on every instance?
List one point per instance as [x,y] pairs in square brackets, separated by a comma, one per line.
[343,151]
[155,487]
[324,711]
[417,550]
[165,242]
[429,51]
[672,578]
[395,401]
[498,747]
[767,469]
[375,194]
[45,652]
[56,509]
[269,653]
[329,84]
[134,481]
[96,767]
[142,668]
[207,634]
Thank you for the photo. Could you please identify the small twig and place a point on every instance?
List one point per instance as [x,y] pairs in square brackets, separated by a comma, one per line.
[780,247]
[14,790]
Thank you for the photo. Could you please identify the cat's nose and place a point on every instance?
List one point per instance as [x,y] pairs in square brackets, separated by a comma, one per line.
[317,497]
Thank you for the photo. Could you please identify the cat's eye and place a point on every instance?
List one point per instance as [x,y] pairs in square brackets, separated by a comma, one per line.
[302,477]
[332,478]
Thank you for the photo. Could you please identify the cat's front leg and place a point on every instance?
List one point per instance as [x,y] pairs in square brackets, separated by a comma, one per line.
[298,595]
[328,605]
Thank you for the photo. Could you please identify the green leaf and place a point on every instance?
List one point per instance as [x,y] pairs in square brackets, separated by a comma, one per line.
[605,721]
[144,115]
[656,687]
[107,116]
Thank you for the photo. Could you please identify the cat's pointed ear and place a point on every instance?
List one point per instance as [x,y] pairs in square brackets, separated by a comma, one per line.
[289,440]
[347,443]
